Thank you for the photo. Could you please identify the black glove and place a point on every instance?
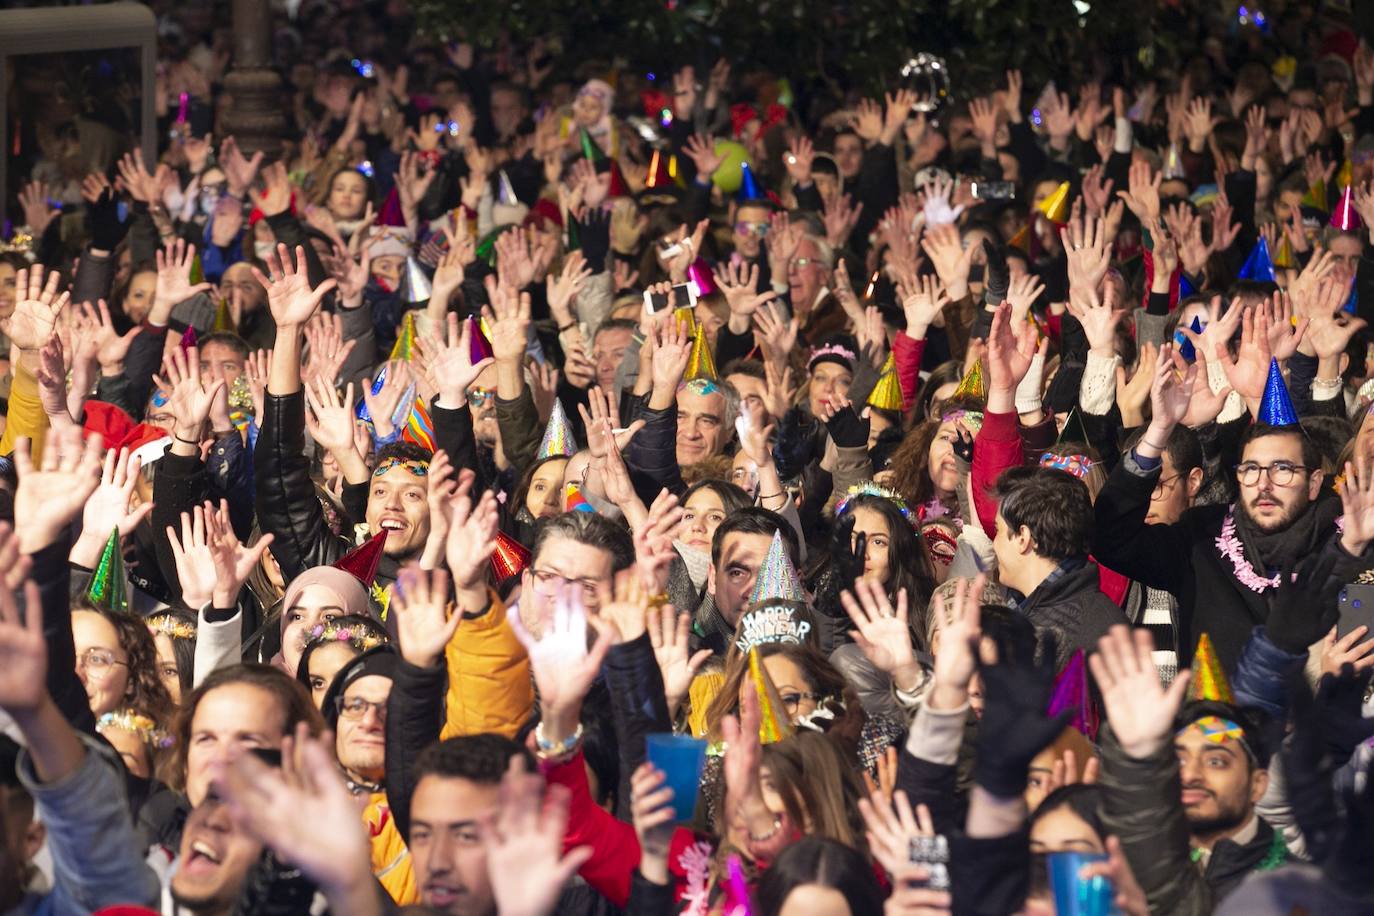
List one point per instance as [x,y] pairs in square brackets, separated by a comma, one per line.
[795,445]
[848,429]
[846,553]
[594,233]
[963,446]
[997,279]
[1014,727]
[1303,610]
[103,217]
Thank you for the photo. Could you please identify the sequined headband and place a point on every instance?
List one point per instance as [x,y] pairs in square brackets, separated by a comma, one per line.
[870,488]
[135,722]
[167,625]
[831,350]
[1218,730]
[418,468]
[1077,465]
[359,637]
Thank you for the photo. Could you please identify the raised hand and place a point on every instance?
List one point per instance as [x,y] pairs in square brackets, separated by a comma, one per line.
[779,334]
[1171,391]
[38,209]
[51,375]
[326,348]
[329,418]
[702,151]
[884,634]
[1142,194]
[509,315]
[740,286]
[1357,498]
[471,539]
[189,398]
[523,836]
[1285,332]
[562,291]
[110,507]
[563,665]
[840,216]
[801,153]
[238,170]
[194,560]
[450,362]
[651,807]
[233,561]
[424,623]
[383,405]
[957,660]
[174,284]
[892,825]
[951,260]
[669,633]
[1248,370]
[1099,319]
[672,348]
[35,313]
[23,649]
[289,296]
[1140,709]
[50,496]
[111,347]
[1010,351]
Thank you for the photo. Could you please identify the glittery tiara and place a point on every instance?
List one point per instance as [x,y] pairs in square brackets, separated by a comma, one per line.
[359,637]
[170,625]
[869,488]
[831,350]
[132,721]
[21,242]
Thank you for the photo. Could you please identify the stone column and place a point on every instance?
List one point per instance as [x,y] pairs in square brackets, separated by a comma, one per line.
[256,118]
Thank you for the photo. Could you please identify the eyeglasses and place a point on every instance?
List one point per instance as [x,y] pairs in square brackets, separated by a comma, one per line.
[1281,473]
[479,396]
[791,701]
[759,229]
[546,582]
[98,662]
[799,263]
[1163,486]
[357,707]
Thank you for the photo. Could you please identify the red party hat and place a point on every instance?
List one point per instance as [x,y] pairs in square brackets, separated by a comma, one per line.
[479,347]
[362,560]
[188,339]
[509,558]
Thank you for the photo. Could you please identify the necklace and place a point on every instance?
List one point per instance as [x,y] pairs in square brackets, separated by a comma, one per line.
[1232,549]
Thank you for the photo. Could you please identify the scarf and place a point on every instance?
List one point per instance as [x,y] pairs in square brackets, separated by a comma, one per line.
[1271,551]
[697,562]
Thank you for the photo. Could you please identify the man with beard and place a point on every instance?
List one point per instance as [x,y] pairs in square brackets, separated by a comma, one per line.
[1219,561]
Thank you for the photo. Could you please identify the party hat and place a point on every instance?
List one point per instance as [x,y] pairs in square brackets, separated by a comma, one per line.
[777,578]
[702,692]
[735,899]
[486,248]
[1315,198]
[362,560]
[197,270]
[699,273]
[108,588]
[887,393]
[509,558]
[479,345]
[1345,217]
[1056,206]
[774,724]
[188,338]
[590,150]
[700,363]
[415,283]
[1185,343]
[658,176]
[361,412]
[1209,679]
[224,319]
[574,501]
[1258,266]
[391,213]
[1071,692]
[1185,286]
[404,347]
[1073,430]
[419,428]
[1276,408]
[558,438]
[686,316]
[1346,175]
[674,171]
[1021,240]
[505,191]
[748,184]
[972,384]
[1283,258]
[1173,163]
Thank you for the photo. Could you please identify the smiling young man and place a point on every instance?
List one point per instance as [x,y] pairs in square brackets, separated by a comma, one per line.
[1219,561]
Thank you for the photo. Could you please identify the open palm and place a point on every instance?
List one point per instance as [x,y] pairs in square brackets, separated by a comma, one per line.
[289,296]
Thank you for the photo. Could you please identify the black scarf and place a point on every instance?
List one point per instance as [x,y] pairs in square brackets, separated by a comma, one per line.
[1272,551]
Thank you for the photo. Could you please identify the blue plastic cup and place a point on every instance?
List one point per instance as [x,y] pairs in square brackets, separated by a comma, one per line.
[682,759]
[1075,896]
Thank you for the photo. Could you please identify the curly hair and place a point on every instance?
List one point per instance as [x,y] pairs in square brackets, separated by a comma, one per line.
[147,693]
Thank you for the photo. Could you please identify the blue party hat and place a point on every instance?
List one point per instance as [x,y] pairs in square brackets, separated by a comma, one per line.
[1276,408]
[748,184]
[1259,266]
[1185,288]
[1353,302]
[1185,343]
[362,413]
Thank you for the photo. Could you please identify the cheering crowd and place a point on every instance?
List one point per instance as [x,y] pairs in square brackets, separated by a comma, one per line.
[553,489]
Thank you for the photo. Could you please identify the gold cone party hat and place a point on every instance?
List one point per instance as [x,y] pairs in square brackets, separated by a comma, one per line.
[700,363]
[774,725]
[1209,678]
[887,393]
[972,384]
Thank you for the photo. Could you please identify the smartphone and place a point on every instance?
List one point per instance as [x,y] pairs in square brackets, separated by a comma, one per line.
[931,853]
[686,296]
[1357,608]
[993,190]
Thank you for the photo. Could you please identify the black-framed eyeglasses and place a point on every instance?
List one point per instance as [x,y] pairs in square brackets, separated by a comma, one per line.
[791,700]
[546,582]
[1164,485]
[1281,473]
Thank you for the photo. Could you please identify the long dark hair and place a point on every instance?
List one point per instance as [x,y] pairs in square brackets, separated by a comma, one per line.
[908,561]
[183,647]
[817,860]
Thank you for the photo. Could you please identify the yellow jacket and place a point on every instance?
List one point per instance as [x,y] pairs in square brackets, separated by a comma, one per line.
[26,417]
[391,863]
[489,686]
